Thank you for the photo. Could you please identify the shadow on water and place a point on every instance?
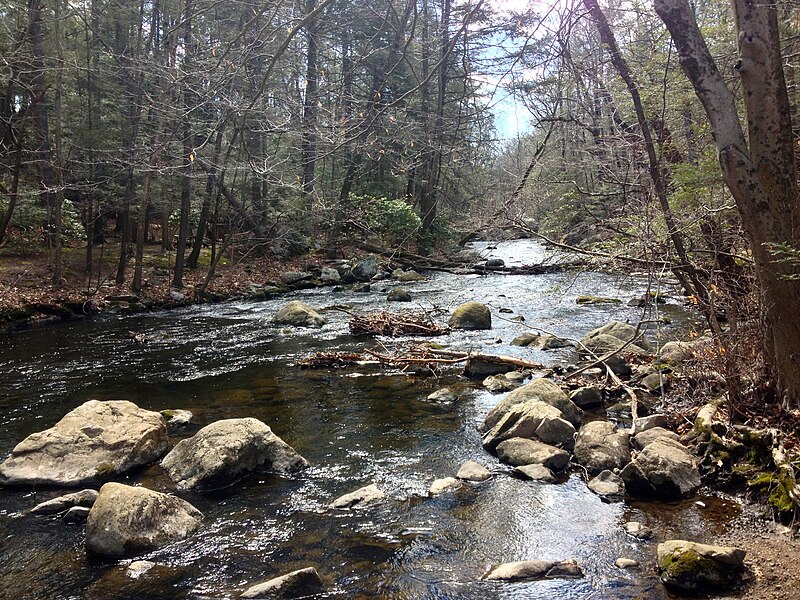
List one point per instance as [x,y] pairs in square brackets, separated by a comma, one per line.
[227,361]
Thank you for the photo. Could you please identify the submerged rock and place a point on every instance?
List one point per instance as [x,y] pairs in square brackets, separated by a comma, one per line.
[664,469]
[520,451]
[472,471]
[692,566]
[126,521]
[471,315]
[224,452]
[298,314]
[83,498]
[361,497]
[626,563]
[637,530]
[92,443]
[601,446]
[398,294]
[534,569]
[303,583]
[586,300]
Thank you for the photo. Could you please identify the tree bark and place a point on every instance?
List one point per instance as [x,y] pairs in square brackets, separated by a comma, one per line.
[762,177]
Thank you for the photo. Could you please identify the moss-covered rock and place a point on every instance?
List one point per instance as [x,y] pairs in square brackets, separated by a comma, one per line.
[692,566]
[298,314]
[471,315]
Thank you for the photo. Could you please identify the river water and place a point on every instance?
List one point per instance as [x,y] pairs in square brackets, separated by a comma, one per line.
[355,427]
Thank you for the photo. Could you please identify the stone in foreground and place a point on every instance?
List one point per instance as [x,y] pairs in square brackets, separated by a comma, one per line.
[92,443]
[298,314]
[664,469]
[691,566]
[446,484]
[535,473]
[224,452]
[125,520]
[297,584]
[471,315]
[472,471]
[520,451]
[541,389]
[361,497]
[601,446]
[526,570]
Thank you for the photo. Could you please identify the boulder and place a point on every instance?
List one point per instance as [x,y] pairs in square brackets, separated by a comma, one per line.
[586,396]
[298,314]
[520,451]
[654,420]
[619,330]
[678,352]
[535,473]
[303,583]
[499,383]
[608,485]
[83,498]
[407,276]
[664,469]
[361,497]
[442,396]
[398,294]
[126,521]
[446,484]
[601,344]
[494,263]
[472,471]
[226,451]
[329,276]
[539,389]
[534,569]
[292,277]
[177,418]
[540,341]
[643,438]
[92,443]
[601,446]
[691,566]
[472,315]
[533,420]
[365,269]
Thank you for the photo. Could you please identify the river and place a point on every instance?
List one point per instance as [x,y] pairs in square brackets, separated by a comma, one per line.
[355,427]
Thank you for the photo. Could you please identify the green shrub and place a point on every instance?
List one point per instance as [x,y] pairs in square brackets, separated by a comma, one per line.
[393,220]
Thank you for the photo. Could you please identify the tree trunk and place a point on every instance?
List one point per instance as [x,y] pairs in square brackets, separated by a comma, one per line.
[308,149]
[761,178]
[188,151]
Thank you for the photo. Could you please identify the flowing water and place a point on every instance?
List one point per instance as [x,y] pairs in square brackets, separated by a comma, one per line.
[355,427]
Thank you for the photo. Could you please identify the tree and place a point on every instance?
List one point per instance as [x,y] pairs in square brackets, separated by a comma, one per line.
[761,174]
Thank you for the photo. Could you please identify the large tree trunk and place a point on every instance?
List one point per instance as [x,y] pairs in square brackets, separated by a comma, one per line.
[308,150]
[761,178]
[188,151]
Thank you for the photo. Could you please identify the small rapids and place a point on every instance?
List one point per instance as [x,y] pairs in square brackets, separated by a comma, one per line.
[355,427]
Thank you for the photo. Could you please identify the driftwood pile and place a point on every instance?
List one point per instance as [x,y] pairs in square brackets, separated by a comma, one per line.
[330,360]
[394,324]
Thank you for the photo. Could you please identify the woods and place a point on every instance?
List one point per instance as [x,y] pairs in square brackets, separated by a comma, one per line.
[156,138]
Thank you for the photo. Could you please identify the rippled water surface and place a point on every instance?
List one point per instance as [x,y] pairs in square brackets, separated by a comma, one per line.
[355,427]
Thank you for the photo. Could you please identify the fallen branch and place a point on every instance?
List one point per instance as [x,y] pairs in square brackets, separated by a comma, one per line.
[394,324]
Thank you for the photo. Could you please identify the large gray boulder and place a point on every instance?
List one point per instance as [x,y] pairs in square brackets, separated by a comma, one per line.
[303,583]
[691,566]
[664,469]
[365,269]
[298,314]
[543,390]
[601,446]
[533,419]
[471,315]
[521,451]
[92,443]
[648,436]
[620,331]
[125,520]
[226,451]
